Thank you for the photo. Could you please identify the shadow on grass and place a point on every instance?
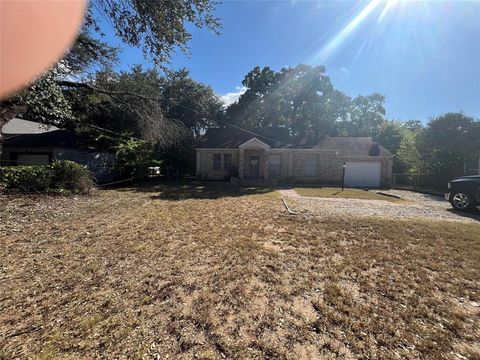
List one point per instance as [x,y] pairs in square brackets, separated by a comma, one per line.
[175,191]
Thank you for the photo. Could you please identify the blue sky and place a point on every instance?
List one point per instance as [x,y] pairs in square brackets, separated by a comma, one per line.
[423,56]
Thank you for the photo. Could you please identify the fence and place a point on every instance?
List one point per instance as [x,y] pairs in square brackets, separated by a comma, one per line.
[420,182]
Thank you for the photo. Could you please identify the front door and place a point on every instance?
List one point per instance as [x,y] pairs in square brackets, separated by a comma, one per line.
[254,166]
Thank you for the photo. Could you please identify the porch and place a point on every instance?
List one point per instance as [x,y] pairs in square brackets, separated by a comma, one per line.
[253,161]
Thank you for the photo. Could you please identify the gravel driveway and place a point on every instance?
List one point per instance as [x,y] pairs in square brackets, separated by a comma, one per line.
[416,205]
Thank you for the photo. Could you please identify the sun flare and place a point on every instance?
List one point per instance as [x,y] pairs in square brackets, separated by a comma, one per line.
[386,6]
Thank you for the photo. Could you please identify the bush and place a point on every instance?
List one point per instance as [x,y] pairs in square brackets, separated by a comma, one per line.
[69,175]
[26,178]
[60,176]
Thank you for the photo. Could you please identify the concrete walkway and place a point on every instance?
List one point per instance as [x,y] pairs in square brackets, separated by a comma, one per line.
[418,206]
[289,193]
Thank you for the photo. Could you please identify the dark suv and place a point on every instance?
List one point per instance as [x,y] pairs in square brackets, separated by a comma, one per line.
[464,192]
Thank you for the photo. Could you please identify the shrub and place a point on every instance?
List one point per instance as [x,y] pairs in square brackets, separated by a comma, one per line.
[69,175]
[26,178]
[61,175]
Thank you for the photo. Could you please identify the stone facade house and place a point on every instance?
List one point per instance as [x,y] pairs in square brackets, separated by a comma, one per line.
[226,153]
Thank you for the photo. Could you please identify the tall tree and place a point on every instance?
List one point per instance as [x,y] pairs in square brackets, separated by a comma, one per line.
[304,101]
[413,125]
[408,158]
[366,116]
[174,99]
[192,103]
[450,145]
[390,135]
[182,101]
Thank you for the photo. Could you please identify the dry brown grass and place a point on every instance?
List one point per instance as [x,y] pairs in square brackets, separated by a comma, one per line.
[188,272]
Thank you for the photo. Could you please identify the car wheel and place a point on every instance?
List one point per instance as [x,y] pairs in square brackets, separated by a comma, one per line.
[462,201]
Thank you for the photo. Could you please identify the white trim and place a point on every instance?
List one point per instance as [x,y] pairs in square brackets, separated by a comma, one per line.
[254,139]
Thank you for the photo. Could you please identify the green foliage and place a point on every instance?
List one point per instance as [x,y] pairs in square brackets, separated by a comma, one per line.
[26,178]
[367,114]
[189,104]
[193,104]
[408,158]
[45,101]
[415,126]
[118,114]
[89,52]
[71,176]
[158,27]
[304,101]
[450,145]
[135,156]
[390,135]
[59,176]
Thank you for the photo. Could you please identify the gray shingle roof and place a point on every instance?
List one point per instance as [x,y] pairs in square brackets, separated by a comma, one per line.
[25,133]
[232,138]
[353,146]
[20,126]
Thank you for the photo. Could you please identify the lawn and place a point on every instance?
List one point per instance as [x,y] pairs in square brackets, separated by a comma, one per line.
[347,193]
[219,272]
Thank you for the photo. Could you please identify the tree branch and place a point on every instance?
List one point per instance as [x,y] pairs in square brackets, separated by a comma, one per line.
[103,91]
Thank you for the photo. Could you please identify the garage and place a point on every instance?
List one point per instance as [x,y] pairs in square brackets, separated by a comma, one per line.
[363,174]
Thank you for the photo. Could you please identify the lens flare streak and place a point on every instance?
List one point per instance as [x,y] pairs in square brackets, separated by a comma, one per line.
[342,35]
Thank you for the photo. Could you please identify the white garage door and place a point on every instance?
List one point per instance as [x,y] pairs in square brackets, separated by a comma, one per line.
[362,174]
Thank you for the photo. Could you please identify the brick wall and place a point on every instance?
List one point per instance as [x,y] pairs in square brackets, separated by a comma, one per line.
[293,165]
[205,164]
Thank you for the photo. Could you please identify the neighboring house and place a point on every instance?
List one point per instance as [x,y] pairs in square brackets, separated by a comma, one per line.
[30,143]
[225,152]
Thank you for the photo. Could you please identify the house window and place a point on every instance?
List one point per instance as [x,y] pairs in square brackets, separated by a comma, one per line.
[217,161]
[227,161]
[275,162]
[311,165]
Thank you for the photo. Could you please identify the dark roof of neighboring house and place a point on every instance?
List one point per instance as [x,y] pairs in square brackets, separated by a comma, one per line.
[57,138]
[277,138]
